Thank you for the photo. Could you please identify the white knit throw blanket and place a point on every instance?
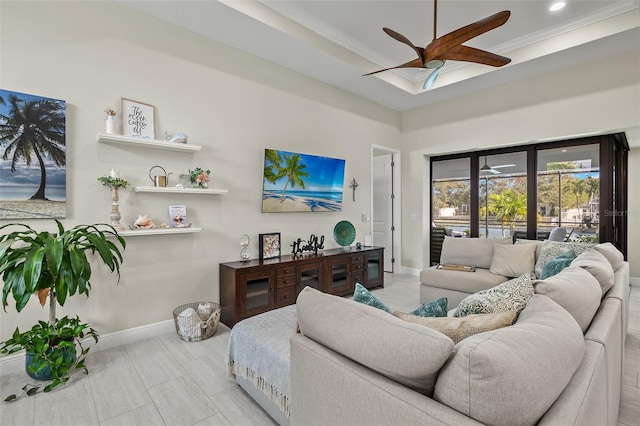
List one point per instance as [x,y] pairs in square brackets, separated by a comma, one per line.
[259,352]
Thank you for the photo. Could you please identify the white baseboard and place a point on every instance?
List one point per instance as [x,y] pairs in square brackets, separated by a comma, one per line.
[15,363]
[410,271]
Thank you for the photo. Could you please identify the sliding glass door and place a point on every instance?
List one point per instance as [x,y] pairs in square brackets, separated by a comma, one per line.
[569,191]
[579,185]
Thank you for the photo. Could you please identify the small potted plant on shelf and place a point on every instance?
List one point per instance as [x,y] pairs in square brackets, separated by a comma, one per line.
[199,178]
[54,266]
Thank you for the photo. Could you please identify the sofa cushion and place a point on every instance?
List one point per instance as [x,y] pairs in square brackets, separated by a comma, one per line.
[513,260]
[509,296]
[476,252]
[468,282]
[537,243]
[362,295]
[555,265]
[613,255]
[552,249]
[461,328]
[437,308]
[511,376]
[576,290]
[597,265]
[408,353]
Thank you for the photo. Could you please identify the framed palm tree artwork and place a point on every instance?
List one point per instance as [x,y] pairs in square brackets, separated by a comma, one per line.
[294,182]
[32,156]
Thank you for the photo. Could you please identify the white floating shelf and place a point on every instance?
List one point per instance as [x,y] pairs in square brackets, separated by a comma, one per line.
[146,143]
[174,190]
[160,231]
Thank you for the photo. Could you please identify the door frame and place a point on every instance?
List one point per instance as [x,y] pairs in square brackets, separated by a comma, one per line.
[397,202]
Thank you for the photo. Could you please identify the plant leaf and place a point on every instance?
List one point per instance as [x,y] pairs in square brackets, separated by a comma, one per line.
[33,268]
[42,295]
[10,398]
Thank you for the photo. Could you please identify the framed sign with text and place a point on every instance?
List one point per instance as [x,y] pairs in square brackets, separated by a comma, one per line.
[137,119]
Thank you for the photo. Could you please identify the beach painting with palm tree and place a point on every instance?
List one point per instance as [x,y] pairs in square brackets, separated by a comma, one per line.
[294,182]
[32,156]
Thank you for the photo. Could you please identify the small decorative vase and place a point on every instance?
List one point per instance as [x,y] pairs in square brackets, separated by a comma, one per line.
[111,124]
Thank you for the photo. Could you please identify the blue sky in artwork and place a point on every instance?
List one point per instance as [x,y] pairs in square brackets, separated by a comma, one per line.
[325,174]
[23,175]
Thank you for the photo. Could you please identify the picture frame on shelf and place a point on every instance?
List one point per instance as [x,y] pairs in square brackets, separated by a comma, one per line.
[269,245]
[138,119]
[178,216]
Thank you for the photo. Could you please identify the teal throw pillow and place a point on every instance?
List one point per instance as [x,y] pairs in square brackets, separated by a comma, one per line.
[362,295]
[557,264]
[437,308]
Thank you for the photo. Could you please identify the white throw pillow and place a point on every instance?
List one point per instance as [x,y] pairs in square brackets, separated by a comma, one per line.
[513,260]
[576,290]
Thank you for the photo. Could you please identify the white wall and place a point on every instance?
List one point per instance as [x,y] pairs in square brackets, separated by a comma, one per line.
[93,53]
[602,97]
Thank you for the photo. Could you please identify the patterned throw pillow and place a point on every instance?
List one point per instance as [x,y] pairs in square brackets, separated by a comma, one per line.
[552,249]
[437,308]
[512,295]
[458,329]
[555,265]
[362,295]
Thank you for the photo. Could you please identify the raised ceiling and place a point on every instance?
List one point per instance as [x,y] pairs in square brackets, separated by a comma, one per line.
[336,41]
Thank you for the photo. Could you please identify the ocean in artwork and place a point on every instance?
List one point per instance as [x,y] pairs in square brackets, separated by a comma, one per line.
[299,201]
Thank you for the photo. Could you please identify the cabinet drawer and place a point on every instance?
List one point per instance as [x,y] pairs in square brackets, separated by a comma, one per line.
[358,277]
[357,267]
[286,296]
[286,281]
[288,270]
[358,258]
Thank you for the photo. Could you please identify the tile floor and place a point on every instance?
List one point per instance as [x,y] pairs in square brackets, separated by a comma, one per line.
[166,381]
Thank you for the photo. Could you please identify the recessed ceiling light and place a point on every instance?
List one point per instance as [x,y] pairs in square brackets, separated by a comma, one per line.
[557,6]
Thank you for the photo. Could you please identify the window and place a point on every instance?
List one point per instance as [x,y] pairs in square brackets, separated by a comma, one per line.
[569,191]
[525,192]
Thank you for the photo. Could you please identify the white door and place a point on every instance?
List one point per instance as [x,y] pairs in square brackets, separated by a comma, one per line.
[382,214]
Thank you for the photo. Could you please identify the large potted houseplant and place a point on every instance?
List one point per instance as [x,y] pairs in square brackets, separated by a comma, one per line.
[54,266]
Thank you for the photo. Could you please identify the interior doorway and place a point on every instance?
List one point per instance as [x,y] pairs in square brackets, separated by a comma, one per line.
[385,172]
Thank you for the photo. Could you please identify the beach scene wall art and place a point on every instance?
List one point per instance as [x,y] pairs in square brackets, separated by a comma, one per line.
[32,156]
[295,182]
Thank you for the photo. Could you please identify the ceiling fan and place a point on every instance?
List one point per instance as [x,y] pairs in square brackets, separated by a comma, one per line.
[493,169]
[450,47]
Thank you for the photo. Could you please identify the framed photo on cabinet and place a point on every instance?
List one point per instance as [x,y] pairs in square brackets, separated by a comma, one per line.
[138,119]
[269,245]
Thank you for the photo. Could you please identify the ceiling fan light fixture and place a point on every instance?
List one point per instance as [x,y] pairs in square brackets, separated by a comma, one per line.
[433,64]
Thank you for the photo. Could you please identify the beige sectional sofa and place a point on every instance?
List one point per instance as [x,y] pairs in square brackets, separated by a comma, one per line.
[558,364]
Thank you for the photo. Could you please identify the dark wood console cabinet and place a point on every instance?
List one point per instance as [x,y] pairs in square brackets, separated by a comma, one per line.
[252,287]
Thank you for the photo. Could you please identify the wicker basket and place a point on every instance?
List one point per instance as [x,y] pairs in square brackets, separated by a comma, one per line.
[198,324]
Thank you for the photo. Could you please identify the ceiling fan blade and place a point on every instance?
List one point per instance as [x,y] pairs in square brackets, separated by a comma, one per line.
[432,77]
[442,44]
[416,63]
[402,39]
[501,166]
[494,171]
[471,54]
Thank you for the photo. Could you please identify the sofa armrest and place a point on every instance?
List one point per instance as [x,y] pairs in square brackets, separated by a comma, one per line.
[327,388]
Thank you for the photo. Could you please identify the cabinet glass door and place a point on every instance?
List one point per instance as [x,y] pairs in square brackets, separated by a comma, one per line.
[258,292]
[373,268]
[340,279]
[309,275]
